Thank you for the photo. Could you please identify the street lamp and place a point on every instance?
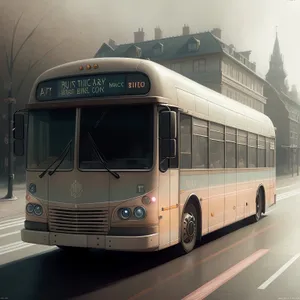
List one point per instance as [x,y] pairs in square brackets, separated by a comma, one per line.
[10,196]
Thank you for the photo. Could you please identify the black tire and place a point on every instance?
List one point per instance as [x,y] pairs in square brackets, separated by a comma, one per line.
[189,229]
[259,207]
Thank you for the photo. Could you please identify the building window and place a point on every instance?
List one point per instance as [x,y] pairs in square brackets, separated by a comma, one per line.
[176,67]
[199,65]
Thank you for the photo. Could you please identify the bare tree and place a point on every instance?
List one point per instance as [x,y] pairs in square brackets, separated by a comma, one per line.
[12,56]
[13,90]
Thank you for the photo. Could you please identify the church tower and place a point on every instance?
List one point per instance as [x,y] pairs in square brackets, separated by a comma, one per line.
[276,74]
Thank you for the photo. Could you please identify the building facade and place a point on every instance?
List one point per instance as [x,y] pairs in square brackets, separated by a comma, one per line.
[283,108]
[202,57]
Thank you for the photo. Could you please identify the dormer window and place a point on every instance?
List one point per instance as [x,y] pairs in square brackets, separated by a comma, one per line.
[134,51]
[193,44]
[158,49]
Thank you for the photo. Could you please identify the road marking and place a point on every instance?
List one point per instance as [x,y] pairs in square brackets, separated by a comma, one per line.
[287,195]
[201,261]
[285,187]
[215,283]
[279,272]
[8,234]
[12,224]
[14,247]
[11,221]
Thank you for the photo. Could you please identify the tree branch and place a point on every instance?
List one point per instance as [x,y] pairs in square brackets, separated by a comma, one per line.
[13,43]
[31,66]
[29,36]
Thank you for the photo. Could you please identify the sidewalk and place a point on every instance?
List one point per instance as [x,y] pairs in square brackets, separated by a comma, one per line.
[10,209]
[287,180]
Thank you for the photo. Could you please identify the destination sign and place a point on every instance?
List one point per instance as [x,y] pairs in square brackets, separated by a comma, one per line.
[92,86]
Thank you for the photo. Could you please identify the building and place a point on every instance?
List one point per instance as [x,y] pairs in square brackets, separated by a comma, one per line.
[202,57]
[283,108]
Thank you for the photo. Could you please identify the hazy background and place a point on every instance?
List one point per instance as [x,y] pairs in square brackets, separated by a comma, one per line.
[248,24]
[85,25]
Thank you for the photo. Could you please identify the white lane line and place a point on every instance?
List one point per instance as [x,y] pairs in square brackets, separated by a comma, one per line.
[14,247]
[279,272]
[285,187]
[11,221]
[13,224]
[8,234]
[209,287]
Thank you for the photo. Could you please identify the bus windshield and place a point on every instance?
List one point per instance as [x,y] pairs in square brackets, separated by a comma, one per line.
[123,136]
[49,132]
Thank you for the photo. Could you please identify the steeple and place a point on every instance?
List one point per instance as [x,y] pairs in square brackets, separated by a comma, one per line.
[276,74]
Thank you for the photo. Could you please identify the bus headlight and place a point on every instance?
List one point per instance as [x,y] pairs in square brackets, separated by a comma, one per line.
[124,213]
[139,212]
[38,210]
[147,200]
[30,208]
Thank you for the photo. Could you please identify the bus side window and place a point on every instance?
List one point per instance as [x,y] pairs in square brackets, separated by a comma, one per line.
[252,150]
[242,149]
[185,141]
[216,146]
[230,148]
[200,144]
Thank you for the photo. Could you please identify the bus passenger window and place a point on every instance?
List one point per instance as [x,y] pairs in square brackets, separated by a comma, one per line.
[185,142]
[216,146]
[200,144]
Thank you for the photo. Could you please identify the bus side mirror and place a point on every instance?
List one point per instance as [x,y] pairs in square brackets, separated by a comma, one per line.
[167,125]
[19,126]
[19,147]
[19,134]
[168,148]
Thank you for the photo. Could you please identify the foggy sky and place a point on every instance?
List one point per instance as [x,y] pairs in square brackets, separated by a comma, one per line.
[248,24]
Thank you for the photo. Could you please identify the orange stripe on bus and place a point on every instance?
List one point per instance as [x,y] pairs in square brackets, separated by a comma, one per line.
[170,207]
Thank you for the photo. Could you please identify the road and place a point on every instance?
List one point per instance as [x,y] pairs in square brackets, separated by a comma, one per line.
[259,261]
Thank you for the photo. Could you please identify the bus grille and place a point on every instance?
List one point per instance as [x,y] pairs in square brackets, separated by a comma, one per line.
[78,221]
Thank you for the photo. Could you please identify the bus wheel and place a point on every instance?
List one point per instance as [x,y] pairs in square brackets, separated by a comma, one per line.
[189,229]
[259,207]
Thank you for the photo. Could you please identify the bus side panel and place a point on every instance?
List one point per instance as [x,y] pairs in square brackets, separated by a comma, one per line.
[195,182]
[230,196]
[216,199]
[174,207]
[164,209]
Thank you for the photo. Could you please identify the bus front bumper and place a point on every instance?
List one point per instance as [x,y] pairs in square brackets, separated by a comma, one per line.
[123,243]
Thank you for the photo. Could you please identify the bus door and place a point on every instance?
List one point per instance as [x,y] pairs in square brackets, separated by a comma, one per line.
[168,179]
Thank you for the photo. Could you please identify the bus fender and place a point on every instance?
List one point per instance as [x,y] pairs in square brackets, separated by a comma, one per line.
[193,198]
[261,189]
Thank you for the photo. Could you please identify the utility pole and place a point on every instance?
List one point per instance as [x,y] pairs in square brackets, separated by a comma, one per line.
[10,114]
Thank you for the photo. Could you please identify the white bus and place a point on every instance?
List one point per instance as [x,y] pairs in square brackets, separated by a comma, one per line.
[125,154]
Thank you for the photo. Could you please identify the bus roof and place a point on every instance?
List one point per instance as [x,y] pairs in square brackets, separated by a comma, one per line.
[176,89]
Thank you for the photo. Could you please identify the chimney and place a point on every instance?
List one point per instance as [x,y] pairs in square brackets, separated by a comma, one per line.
[217,32]
[185,30]
[157,33]
[112,43]
[139,36]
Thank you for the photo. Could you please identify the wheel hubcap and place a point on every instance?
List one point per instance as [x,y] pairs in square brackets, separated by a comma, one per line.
[189,228]
[257,207]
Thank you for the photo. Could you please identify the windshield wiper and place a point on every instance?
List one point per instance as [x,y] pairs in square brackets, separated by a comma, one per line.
[115,174]
[60,158]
